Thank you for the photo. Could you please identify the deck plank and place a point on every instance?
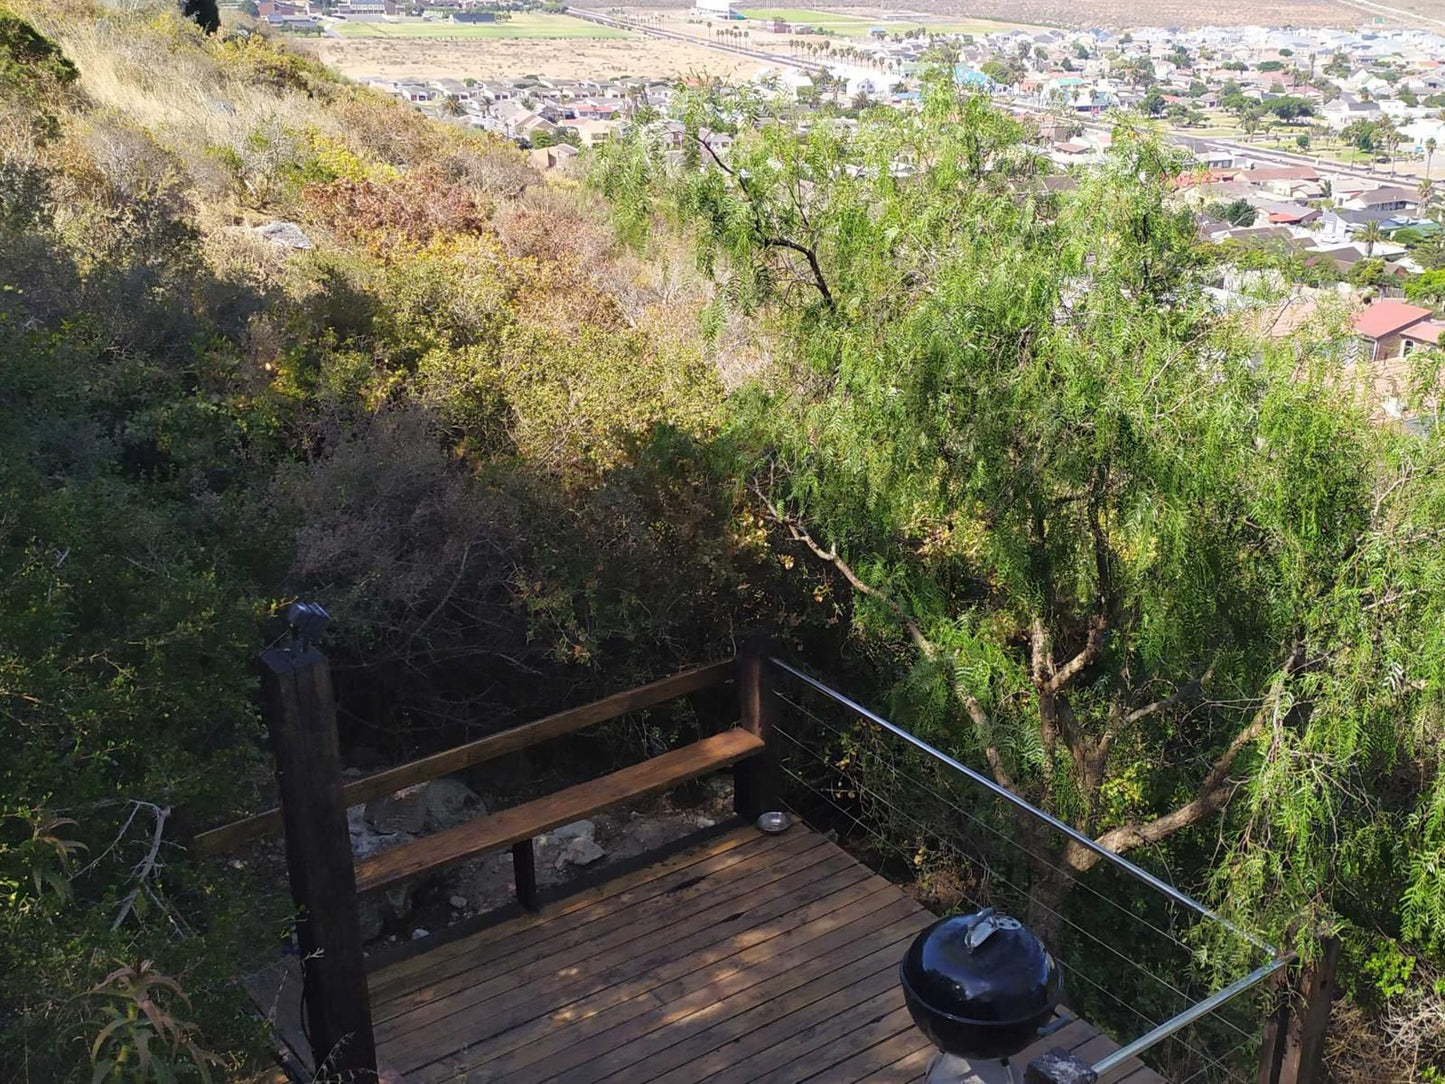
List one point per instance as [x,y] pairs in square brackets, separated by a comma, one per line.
[881,1045]
[624,1001]
[601,1031]
[580,909]
[793,1036]
[761,876]
[683,1038]
[747,959]
[542,981]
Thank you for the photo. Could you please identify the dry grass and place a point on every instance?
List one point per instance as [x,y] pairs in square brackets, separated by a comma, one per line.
[637,55]
[1403,1047]
[128,62]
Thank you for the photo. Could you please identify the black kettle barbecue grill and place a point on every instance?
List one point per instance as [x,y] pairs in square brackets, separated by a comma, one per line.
[981,987]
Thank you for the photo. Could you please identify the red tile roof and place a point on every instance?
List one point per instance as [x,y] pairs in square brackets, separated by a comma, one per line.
[1387,317]
[1427,332]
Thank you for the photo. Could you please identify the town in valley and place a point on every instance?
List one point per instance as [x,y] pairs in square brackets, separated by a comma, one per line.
[1313,149]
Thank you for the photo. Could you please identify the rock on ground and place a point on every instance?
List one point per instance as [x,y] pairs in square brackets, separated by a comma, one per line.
[582,851]
[575,830]
[403,811]
[284,235]
[450,802]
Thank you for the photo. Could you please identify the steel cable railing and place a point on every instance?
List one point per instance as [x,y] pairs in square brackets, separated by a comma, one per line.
[926,817]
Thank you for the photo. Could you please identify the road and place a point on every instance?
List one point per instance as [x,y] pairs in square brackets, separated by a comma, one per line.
[1291,158]
[1250,150]
[1399,13]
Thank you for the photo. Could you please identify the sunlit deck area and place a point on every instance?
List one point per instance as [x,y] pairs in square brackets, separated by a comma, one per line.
[745,958]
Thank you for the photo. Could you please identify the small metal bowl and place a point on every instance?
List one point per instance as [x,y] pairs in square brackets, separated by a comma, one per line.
[774,823]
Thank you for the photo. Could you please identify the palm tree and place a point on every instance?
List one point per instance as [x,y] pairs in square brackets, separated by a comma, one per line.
[1371,234]
[1430,146]
[1424,193]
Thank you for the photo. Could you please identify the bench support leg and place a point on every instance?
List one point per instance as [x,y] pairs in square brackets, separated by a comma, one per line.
[524,868]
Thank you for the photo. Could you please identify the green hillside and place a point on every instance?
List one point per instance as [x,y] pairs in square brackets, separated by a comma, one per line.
[982,449]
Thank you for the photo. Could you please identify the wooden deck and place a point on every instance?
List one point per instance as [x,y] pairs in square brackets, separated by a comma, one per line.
[749,958]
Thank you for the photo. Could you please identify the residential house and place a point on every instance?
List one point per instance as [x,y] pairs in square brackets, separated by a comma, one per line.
[598,109]
[283,8]
[1383,199]
[533,125]
[519,122]
[1286,214]
[453,88]
[497,92]
[361,10]
[720,142]
[554,157]
[414,91]
[1346,109]
[1391,329]
[595,131]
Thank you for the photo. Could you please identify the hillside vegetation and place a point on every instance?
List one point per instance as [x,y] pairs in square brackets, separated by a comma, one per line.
[463,418]
[984,455]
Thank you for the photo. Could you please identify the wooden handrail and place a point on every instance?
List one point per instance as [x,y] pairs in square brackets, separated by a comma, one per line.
[520,823]
[229,836]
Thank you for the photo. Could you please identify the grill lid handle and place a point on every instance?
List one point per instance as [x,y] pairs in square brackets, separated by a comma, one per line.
[987,925]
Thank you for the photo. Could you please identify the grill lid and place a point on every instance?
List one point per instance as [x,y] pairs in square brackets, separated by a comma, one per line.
[980,982]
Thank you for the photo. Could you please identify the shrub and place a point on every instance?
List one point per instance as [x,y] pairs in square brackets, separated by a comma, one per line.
[414,208]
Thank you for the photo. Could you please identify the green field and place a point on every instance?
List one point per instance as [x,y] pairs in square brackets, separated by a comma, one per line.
[520,25]
[853,26]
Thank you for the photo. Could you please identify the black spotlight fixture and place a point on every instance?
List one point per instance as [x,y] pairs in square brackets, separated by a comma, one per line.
[982,987]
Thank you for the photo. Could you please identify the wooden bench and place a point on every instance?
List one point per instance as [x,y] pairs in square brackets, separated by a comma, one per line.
[521,823]
[741,749]
[324,875]
[230,836]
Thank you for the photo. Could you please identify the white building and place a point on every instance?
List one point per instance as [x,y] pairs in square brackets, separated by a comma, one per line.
[715,9]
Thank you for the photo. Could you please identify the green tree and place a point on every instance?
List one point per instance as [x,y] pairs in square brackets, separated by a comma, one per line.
[1138,71]
[1371,234]
[1362,134]
[1112,558]
[1427,288]
[1290,108]
[1240,212]
[1368,272]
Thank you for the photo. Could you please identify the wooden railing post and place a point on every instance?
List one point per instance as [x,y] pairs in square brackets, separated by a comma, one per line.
[1294,1036]
[755,780]
[301,717]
